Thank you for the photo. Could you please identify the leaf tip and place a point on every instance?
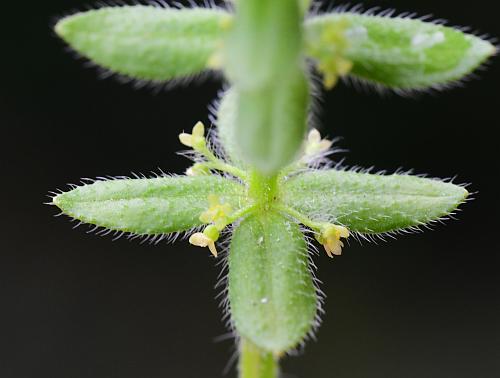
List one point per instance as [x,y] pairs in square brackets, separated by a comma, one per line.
[462,193]
[483,49]
[58,200]
[62,28]
[457,195]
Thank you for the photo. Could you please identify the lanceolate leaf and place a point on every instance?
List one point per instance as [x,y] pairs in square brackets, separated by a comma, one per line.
[370,203]
[147,206]
[268,142]
[146,42]
[271,293]
[263,61]
[264,40]
[226,125]
[271,121]
[398,52]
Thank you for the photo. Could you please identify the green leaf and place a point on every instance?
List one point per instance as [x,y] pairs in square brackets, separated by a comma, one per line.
[274,140]
[271,293]
[226,125]
[271,122]
[146,42]
[147,206]
[398,52]
[304,5]
[263,61]
[265,39]
[370,203]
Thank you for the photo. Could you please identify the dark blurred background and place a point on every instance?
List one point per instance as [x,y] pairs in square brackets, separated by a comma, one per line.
[81,306]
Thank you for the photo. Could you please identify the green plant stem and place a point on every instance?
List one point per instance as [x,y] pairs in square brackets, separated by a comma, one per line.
[221,166]
[240,213]
[263,189]
[216,163]
[256,363]
[315,226]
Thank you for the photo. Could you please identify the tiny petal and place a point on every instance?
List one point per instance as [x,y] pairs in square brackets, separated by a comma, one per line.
[314,136]
[328,251]
[198,130]
[315,144]
[330,238]
[198,169]
[196,139]
[325,145]
[213,250]
[199,239]
[216,213]
[186,139]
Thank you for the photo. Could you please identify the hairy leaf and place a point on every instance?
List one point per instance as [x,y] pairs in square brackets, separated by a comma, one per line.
[271,293]
[271,122]
[371,203]
[147,206]
[226,125]
[398,52]
[263,62]
[264,41]
[146,42]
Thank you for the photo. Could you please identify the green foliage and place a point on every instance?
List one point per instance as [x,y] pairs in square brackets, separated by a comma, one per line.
[398,52]
[369,203]
[269,186]
[262,49]
[363,202]
[265,40]
[272,297]
[271,122]
[226,126]
[147,206]
[146,42]
[263,61]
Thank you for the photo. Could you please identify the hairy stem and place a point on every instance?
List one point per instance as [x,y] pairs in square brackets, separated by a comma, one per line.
[216,163]
[315,226]
[256,363]
[263,189]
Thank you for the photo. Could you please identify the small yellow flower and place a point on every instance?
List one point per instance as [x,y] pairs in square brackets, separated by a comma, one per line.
[330,238]
[197,170]
[315,144]
[334,69]
[217,212]
[207,238]
[332,61]
[196,139]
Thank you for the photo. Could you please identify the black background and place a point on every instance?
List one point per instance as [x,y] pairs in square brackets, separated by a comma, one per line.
[77,305]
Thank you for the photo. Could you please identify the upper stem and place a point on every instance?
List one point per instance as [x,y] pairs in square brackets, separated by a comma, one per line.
[263,189]
[256,363]
[216,163]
